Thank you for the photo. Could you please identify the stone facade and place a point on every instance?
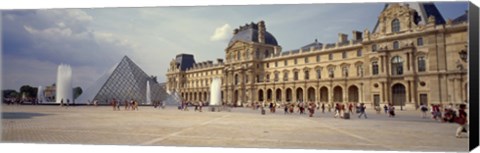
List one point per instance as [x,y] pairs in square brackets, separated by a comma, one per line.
[404,63]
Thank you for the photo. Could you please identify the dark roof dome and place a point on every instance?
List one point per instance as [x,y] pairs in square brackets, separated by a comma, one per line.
[250,33]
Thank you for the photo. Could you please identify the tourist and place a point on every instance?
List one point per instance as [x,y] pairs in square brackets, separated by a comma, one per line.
[61,102]
[114,102]
[95,103]
[285,109]
[118,105]
[68,102]
[378,109]
[362,110]
[311,108]
[391,110]
[385,108]
[274,108]
[350,108]
[337,110]
[329,107]
[200,105]
[135,105]
[126,104]
[462,121]
[323,107]
[196,107]
[424,110]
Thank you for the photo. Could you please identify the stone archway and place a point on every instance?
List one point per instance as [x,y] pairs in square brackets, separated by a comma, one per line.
[398,94]
[311,94]
[278,94]
[337,94]
[299,94]
[260,95]
[353,95]
[269,94]
[324,94]
[288,94]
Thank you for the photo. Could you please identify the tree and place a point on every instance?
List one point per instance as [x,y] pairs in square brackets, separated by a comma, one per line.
[77,91]
[10,93]
[29,91]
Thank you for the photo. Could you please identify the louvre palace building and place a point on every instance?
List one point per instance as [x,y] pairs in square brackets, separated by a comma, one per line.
[412,56]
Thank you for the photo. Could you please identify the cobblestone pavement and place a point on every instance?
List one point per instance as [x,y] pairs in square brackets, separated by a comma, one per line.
[240,128]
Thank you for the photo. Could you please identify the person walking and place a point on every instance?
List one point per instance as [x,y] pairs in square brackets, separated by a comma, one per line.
[329,108]
[385,108]
[323,107]
[118,105]
[362,111]
[424,110]
[311,108]
[350,108]
[391,111]
[68,102]
[337,110]
[61,102]
[462,121]
[114,103]
[200,105]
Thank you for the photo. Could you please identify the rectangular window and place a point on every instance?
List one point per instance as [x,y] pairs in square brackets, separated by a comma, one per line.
[359,52]
[374,47]
[267,79]
[276,63]
[318,58]
[420,42]
[285,76]
[421,64]
[295,62]
[285,63]
[345,71]
[344,55]
[295,76]
[330,56]
[424,99]
[319,73]
[307,75]
[331,72]
[268,65]
[276,77]
[375,68]
[360,70]
[306,59]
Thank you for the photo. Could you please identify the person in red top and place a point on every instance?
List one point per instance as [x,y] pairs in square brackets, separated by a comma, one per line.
[462,121]
[350,108]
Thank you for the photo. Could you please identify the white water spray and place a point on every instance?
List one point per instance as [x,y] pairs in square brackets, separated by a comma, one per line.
[149,100]
[64,84]
[40,95]
[215,92]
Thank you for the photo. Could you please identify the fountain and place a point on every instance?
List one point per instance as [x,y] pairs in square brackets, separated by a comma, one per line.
[215,93]
[40,95]
[64,84]
[149,100]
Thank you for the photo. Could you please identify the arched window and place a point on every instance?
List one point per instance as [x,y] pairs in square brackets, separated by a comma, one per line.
[396,45]
[397,65]
[422,67]
[375,68]
[395,25]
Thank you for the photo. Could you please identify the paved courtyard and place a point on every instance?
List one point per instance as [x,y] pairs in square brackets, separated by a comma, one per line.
[240,128]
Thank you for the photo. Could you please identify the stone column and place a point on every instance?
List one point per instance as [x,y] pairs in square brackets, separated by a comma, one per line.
[408,93]
[382,64]
[383,93]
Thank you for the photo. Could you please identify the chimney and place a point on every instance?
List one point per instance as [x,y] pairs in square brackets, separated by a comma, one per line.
[219,60]
[261,32]
[342,37]
[357,35]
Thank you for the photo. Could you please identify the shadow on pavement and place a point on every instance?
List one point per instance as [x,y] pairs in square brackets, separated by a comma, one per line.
[20,115]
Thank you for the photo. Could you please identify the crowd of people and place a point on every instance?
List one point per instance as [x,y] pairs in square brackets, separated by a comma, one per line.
[198,105]
[129,105]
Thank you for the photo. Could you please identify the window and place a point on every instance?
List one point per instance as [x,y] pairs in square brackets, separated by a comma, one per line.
[257,54]
[276,77]
[236,79]
[396,45]
[295,61]
[267,78]
[331,72]
[268,65]
[307,75]
[318,58]
[295,76]
[246,78]
[258,66]
[345,71]
[319,73]
[359,52]
[285,63]
[419,41]
[276,63]
[395,25]
[397,65]
[285,76]
[267,54]
[330,56]
[258,78]
[306,59]
[247,54]
[344,55]
[374,47]
[375,68]
[421,64]
[238,55]
[360,70]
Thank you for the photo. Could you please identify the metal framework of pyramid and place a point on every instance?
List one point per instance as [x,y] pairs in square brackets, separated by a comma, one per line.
[125,82]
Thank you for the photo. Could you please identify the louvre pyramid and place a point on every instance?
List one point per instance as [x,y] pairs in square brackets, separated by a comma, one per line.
[124,81]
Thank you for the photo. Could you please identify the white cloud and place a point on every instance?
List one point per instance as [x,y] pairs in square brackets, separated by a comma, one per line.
[221,33]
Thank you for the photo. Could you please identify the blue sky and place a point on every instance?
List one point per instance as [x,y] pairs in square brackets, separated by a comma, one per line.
[93,40]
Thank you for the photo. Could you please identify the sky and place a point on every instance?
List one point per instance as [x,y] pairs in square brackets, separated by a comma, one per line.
[92,40]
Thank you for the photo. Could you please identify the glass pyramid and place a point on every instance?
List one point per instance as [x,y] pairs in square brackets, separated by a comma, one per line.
[127,81]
